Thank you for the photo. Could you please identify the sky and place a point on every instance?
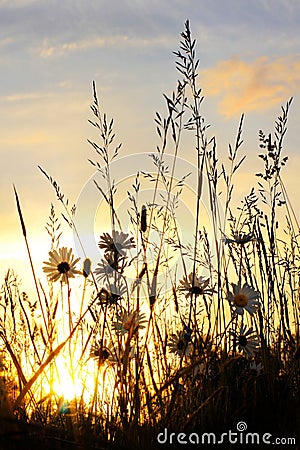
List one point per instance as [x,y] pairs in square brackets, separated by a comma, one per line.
[51,51]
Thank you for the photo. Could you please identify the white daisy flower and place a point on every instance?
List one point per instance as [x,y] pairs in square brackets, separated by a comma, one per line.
[246,340]
[61,265]
[129,322]
[118,242]
[243,298]
[257,368]
[118,354]
[113,294]
[105,267]
[196,287]
[101,353]
[179,344]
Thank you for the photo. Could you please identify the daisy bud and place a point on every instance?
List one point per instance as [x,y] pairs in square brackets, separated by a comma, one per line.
[175,298]
[144,219]
[143,271]
[87,267]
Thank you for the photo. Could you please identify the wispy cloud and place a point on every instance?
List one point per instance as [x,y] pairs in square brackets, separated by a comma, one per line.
[63,97]
[16,3]
[48,49]
[28,119]
[5,41]
[23,140]
[243,86]
[19,97]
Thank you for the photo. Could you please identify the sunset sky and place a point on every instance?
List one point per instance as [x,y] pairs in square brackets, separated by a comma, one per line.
[52,50]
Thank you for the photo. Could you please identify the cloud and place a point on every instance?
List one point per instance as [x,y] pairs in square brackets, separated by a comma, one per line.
[242,86]
[19,97]
[47,49]
[5,41]
[283,6]
[32,138]
[31,121]
[16,3]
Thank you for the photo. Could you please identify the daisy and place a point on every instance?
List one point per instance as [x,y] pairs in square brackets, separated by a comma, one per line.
[61,265]
[247,341]
[118,243]
[179,344]
[197,287]
[112,295]
[121,355]
[256,368]
[105,267]
[129,322]
[102,352]
[243,298]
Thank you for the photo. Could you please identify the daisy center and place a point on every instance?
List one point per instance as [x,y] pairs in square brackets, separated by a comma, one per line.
[112,247]
[240,300]
[63,267]
[128,324]
[181,344]
[114,298]
[105,353]
[243,341]
[102,354]
[196,290]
